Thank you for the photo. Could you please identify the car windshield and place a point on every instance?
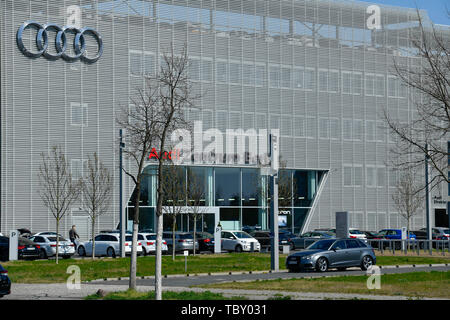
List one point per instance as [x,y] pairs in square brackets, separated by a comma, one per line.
[447,231]
[382,232]
[242,235]
[128,238]
[53,239]
[186,236]
[151,237]
[321,245]
[356,232]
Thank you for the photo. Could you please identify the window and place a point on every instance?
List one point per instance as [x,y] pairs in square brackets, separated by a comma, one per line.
[286,77]
[79,114]
[235,72]
[260,75]
[358,130]
[357,84]
[346,82]
[392,86]
[310,79]
[381,181]
[370,81]
[274,76]
[222,71]
[299,126]
[370,130]
[379,85]
[358,176]
[334,129]
[194,69]
[324,128]
[347,128]
[136,63]
[149,64]
[333,81]
[370,177]
[298,78]
[348,179]
[207,70]
[248,74]
[77,167]
[323,80]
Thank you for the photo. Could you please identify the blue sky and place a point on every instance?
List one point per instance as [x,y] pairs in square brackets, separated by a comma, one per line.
[436,8]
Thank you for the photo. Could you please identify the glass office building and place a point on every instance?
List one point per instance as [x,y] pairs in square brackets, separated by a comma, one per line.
[320,71]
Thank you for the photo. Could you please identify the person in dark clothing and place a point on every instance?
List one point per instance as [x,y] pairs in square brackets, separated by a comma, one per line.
[73,235]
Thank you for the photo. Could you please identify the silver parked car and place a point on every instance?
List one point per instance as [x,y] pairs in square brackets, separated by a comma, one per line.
[66,248]
[183,241]
[308,238]
[333,253]
[239,241]
[148,241]
[107,245]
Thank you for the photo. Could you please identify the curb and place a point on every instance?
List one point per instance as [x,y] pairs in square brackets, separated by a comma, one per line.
[255,272]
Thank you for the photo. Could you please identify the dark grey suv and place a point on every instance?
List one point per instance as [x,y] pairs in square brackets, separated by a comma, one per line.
[333,253]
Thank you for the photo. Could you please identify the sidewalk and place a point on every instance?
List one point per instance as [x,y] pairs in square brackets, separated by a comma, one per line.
[60,292]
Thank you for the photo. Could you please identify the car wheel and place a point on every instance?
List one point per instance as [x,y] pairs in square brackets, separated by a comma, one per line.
[110,252]
[81,251]
[144,253]
[238,249]
[366,263]
[322,264]
[42,254]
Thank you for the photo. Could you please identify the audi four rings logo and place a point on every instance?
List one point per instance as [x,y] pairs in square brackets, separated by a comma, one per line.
[42,42]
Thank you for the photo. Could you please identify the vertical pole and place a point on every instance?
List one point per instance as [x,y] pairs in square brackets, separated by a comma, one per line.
[274,243]
[122,212]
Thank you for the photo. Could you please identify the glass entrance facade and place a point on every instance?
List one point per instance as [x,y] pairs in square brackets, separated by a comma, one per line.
[240,193]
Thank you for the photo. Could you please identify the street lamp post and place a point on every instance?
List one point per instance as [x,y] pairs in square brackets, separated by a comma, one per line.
[122,212]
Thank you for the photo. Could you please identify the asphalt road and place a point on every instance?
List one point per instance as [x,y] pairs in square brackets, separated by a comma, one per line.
[192,280]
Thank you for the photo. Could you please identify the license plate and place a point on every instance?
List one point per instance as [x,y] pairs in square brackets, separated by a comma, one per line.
[30,249]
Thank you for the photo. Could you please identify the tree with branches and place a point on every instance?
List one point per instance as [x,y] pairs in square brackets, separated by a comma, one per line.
[195,200]
[428,78]
[57,190]
[96,190]
[156,112]
[174,189]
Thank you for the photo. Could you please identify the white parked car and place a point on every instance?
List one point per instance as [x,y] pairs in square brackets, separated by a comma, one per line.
[66,248]
[356,234]
[238,241]
[148,241]
[107,244]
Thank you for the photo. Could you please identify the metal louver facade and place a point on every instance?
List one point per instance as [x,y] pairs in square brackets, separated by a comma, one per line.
[311,68]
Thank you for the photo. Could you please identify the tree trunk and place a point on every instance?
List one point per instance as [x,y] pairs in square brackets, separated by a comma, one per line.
[158,263]
[195,230]
[133,264]
[174,223]
[93,238]
[57,239]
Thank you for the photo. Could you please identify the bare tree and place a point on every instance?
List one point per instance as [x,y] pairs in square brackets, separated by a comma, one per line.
[58,190]
[408,196]
[96,192]
[196,199]
[141,122]
[428,78]
[156,112]
[174,188]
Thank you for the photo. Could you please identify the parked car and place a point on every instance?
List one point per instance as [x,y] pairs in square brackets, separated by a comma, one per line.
[250,229]
[46,233]
[356,234]
[439,233]
[238,241]
[394,234]
[107,244]
[5,282]
[264,237]
[26,249]
[205,241]
[66,248]
[333,253]
[148,241]
[306,239]
[183,241]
